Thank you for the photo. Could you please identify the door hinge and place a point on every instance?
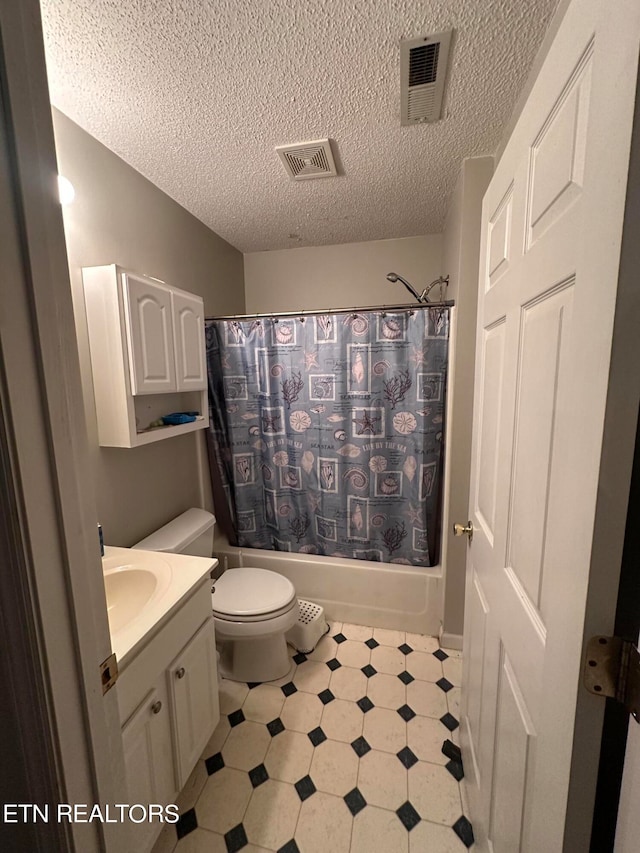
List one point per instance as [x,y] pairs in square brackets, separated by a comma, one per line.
[612,668]
[109,672]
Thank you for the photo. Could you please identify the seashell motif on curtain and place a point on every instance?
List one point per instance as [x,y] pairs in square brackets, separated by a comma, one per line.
[291,479]
[378,464]
[307,461]
[358,324]
[284,333]
[349,450]
[357,371]
[389,484]
[356,477]
[390,328]
[409,467]
[404,423]
[300,421]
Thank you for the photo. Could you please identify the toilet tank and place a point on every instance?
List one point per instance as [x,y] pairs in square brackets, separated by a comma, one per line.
[189,533]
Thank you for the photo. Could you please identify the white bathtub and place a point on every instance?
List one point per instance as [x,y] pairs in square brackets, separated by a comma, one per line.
[403,598]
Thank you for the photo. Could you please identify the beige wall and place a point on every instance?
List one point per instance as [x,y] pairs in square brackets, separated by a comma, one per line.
[340,276]
[460,259]
[120,217]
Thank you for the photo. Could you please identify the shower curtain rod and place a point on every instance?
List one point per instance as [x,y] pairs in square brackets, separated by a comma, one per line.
[355,310]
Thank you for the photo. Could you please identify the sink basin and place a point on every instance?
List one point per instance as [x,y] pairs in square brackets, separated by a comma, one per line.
[128,591]
[142,589]
[134,583]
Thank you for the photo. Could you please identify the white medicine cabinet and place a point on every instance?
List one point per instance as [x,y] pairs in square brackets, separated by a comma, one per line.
[147,348]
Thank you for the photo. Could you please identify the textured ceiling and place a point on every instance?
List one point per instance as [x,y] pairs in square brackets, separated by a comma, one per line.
[195,94]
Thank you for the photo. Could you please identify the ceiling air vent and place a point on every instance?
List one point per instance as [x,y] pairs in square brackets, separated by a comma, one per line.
[423,67]
[305,160]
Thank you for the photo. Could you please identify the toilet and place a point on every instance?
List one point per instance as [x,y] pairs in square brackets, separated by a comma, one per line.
[252,608]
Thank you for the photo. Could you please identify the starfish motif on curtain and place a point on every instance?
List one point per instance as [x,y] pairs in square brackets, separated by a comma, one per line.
[310,360]
[415,515]
[366,424]
[417,356]
[313,501]
[270,424]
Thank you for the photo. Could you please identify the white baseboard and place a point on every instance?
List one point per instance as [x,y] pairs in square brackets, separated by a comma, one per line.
[451,641]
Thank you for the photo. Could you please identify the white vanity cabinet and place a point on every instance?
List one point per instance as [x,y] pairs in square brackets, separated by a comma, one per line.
[169,707]
[147,346]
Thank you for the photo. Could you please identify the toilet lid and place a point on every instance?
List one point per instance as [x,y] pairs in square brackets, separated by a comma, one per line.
[251,592]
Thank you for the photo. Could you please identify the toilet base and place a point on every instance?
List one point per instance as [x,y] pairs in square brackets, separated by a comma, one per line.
[254,660]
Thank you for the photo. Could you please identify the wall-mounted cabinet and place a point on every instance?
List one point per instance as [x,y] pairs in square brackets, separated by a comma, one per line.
[147,355]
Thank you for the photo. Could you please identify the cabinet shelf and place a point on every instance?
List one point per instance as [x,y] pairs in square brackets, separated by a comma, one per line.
[148,436]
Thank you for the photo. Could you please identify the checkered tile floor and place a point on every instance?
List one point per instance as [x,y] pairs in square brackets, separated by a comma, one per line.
[343,754]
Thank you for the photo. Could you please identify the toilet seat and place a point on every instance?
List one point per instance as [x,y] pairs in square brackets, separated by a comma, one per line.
[251,595]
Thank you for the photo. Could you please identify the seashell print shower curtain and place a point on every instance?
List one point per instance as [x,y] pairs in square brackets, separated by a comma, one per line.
[327,432]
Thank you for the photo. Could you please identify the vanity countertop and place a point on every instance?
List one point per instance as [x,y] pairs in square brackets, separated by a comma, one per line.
[143,590]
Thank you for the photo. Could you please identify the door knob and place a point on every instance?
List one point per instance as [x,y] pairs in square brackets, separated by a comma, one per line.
[180,673]
[156,707]
[461,530]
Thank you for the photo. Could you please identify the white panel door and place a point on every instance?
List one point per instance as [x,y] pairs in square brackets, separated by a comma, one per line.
[551,233]
[150,332]
[188,334]
[193,685]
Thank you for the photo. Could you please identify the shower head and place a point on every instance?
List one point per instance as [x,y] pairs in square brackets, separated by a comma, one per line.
[393,277]
[421,297]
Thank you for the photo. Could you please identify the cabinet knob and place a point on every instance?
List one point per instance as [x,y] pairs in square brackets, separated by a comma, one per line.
[180,672]
[156,707]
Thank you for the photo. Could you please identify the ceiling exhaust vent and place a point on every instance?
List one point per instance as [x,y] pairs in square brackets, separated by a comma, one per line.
[305,160]
[423,67]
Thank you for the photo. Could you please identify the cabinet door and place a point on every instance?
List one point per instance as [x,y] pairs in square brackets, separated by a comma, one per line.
[148,759]
[150,331]
[188,334]
[193,686]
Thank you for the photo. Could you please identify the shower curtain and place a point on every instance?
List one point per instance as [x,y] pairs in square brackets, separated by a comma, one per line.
[326,432]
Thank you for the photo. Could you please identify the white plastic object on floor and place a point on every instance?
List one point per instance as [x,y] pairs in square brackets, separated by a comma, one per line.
[310,627]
